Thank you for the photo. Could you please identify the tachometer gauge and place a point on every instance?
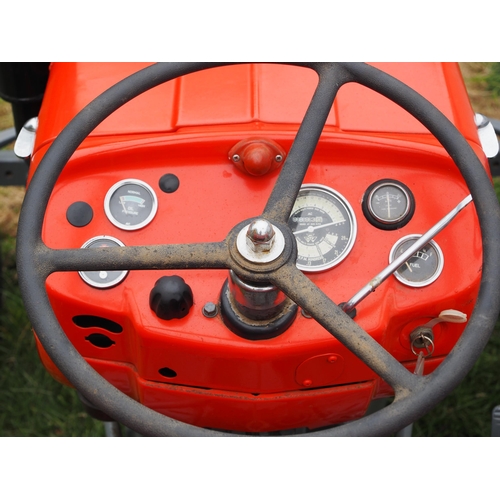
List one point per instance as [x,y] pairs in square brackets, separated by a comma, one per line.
[388,204]
[423,268]
[324,226]
[130,204]
[103,279]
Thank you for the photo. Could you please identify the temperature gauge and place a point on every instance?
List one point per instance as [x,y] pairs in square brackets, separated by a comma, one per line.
[130,204]
[423,268]
[103,279]
[388,204]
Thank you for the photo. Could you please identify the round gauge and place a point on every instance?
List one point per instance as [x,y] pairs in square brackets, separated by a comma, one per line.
[103,279]
[130,204]
[324,226]
[423,268]
[388,204]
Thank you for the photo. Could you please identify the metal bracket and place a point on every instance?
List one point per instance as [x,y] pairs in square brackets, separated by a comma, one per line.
[7,136]
[13,170]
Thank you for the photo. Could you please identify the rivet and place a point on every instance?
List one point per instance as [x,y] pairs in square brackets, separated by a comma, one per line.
[332,359]
[236,158]
[278,158]
[307,383]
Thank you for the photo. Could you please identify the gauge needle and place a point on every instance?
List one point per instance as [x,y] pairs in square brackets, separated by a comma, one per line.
[372,285]
[311,229]
[319,251]
[408,266]
[124,207]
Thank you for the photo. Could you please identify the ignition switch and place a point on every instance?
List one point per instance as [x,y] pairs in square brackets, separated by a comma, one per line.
[422,337]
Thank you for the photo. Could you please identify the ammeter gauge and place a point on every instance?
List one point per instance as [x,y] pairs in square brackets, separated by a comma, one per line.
[388,204]
[423,268]
[130,204]
[324,226]
[103,279]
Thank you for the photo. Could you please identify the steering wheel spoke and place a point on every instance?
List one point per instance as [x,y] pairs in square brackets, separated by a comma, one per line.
[286,189]
[181,256]
[307,295]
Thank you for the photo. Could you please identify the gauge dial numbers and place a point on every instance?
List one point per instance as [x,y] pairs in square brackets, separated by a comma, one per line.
[130,204]
[103,279]
[324,226]
[388,204]
[423,268]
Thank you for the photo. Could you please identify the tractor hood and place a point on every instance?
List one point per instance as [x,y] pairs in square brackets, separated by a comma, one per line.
[250,97]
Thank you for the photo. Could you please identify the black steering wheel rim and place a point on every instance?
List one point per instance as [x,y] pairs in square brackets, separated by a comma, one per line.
[408,405]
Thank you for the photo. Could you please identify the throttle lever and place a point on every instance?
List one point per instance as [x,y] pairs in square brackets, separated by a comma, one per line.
[449,316]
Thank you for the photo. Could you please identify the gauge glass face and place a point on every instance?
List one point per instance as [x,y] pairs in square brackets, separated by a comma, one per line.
[103,279]
[389,203]
[324,226]
[423,268]
[130,204]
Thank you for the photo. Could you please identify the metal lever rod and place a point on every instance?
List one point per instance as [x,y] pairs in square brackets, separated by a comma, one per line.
[373,284]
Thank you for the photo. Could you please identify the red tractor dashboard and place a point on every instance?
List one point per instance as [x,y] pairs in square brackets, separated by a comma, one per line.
[221,344]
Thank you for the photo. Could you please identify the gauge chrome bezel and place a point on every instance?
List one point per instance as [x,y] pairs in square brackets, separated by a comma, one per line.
[96,284]
[437,272]
[379,221]
[352,221]
[114,188]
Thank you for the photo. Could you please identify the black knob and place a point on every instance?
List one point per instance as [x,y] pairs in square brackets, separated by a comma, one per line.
[171,297]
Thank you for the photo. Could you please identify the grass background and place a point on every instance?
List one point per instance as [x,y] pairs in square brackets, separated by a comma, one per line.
[33,404]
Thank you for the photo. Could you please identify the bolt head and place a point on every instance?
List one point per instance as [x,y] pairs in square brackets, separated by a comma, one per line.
[210,310]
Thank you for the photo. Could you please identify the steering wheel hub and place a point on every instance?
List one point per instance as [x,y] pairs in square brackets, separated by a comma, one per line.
[260,242]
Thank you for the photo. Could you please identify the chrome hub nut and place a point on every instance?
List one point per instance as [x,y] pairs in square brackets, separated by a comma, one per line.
[260,236]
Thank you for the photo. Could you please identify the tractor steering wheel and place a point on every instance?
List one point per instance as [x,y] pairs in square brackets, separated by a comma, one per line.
[414,395]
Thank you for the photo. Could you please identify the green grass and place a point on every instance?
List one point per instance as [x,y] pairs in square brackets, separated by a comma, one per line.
[32,403]
[492,79]
[467,411]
